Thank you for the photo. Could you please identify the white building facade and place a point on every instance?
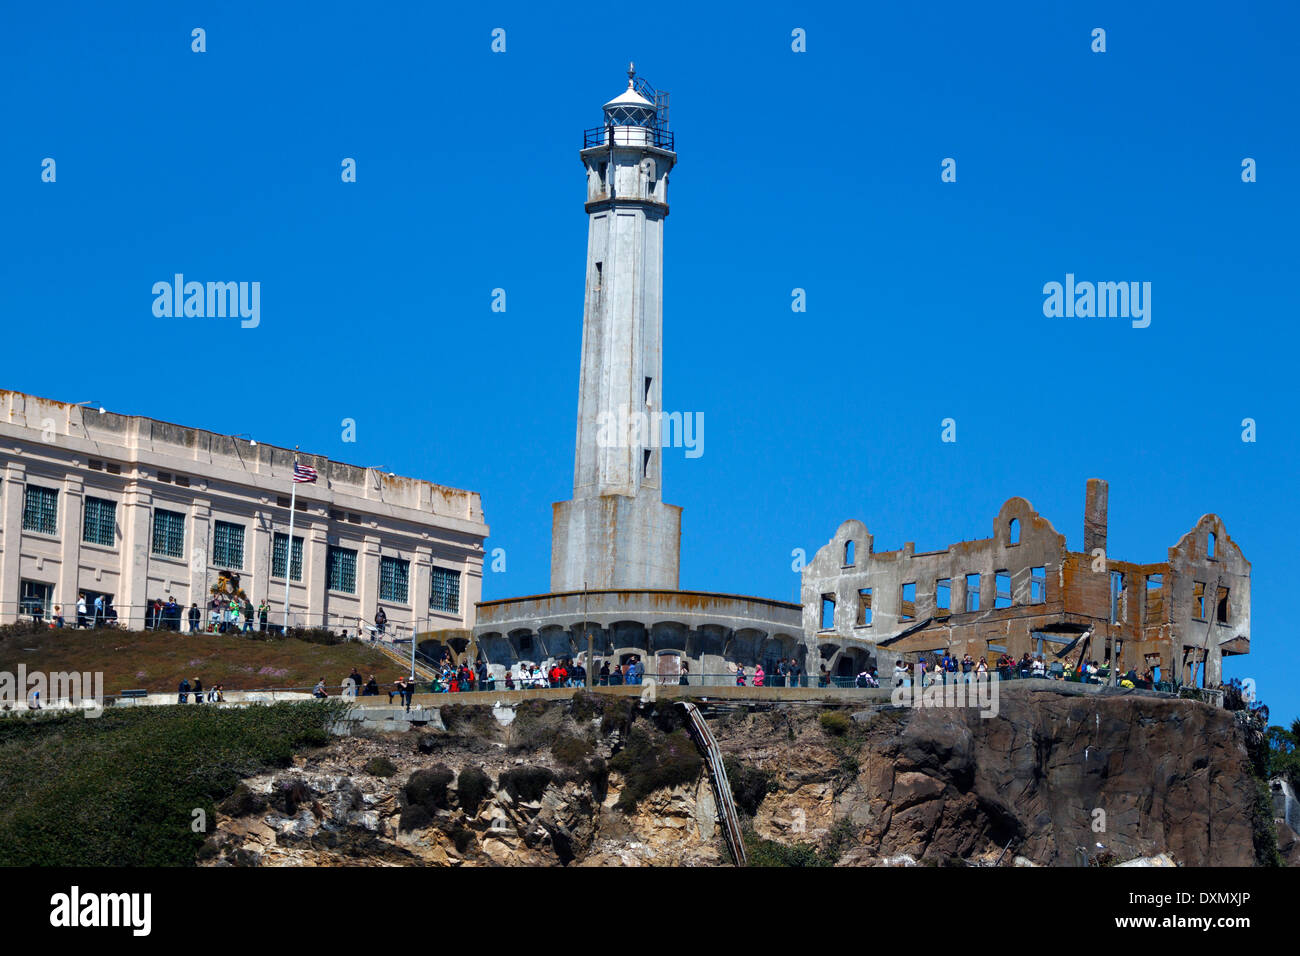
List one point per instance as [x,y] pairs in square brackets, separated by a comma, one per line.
[134,509]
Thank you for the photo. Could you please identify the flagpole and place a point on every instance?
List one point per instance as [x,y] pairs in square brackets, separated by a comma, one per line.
[288,550]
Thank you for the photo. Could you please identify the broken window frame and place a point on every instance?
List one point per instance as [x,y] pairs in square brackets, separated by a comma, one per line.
[904,601]
[865,615]
[973,590]
[1038,585]
[999,595]
[828,601]
[943,594]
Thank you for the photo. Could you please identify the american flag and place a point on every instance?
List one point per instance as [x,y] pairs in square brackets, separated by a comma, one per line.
[303,473]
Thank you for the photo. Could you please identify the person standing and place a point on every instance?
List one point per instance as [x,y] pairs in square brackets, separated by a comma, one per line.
[81,610]
[198,691]
[194,617]
[263,611]
[685,670]
[248,616]
[381,619]
[183,691]
[99,610]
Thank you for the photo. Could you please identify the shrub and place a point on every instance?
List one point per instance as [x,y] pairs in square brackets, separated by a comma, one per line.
[119,790]
[762,852]
[312,635]
[536,723]
[526,784]
[414,817]
[571,751]
[653,761]
[470,720]
[835,722]
[243,802]
[749,785]
[428,788]
[380,767]
[472,787]
[770,853]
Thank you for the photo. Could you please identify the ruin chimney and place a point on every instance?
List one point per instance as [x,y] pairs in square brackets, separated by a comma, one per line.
[1094,516]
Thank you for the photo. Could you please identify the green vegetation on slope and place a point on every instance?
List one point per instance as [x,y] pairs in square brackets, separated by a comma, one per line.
[120,790]
[157,660]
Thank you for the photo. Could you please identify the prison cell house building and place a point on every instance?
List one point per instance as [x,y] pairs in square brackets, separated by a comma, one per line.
[1022,591]
[133,509]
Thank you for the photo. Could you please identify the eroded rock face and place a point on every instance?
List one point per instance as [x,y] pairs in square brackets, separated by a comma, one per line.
[900,788]
[935,784]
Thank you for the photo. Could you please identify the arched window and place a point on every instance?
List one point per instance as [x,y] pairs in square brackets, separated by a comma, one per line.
[849,553]
[1209,544]
[1013,531]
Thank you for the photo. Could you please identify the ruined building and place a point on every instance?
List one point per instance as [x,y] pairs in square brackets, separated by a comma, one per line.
[1022,591]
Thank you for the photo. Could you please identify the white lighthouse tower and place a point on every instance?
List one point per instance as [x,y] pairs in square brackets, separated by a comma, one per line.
[616,532]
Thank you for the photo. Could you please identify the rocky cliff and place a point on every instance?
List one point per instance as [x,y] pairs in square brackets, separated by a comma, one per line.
[1052,780]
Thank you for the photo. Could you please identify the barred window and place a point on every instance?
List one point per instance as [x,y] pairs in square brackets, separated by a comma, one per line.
[394,578]
[228,545]
[278,546]
[41,510]
[99,524]
[444,591]
[169,533]
[341,570]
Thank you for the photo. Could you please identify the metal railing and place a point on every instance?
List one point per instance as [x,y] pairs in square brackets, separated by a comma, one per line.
[144,617]
[659,137]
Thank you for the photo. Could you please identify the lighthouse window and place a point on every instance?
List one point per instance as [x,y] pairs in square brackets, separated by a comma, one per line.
[646,458]
[599,274]
[647,391]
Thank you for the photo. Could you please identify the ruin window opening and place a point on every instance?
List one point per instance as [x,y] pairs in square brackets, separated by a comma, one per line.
[1209,545]
[1002,589]
[1118,585]
[943,594]
[600,275]
[973,592]
[828,612]
[1198,600]
[1221,606]
[849,549]
[1013,531]
[864,607]
[1038,585]
[907,610]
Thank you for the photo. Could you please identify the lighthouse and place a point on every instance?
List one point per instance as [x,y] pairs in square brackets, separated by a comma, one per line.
[616,532]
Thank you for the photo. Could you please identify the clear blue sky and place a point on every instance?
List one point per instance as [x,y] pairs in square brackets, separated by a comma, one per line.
[817,170]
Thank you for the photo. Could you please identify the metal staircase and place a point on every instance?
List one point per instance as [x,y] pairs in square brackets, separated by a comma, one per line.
[721,786]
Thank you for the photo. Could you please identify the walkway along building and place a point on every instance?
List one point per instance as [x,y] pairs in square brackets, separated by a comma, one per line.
[136,509]
[1021,591]
[615,546]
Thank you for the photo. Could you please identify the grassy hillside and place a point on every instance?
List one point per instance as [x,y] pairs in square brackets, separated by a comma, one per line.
[157,660]
[121,790]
